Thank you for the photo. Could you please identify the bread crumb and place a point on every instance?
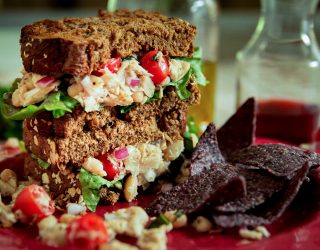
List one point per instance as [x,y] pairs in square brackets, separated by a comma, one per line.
[35,139]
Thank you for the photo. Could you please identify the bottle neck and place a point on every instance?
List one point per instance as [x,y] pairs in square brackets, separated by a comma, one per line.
[287,19]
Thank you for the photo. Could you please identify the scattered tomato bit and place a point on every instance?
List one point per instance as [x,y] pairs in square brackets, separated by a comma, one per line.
[34,204]
[112,64]
[87,232]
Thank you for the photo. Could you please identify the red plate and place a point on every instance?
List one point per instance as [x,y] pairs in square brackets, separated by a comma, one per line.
[298,228]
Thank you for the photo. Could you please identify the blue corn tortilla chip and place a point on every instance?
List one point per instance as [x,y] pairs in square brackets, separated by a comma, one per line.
[238,131]
[277,159]
[237,183]
[260,186]
[206,152]
[211,186]
[270,210]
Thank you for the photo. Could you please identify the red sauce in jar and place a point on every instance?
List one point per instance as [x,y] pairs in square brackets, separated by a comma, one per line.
[291,121]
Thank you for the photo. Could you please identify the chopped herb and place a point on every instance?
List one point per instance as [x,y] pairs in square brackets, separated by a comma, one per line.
[129,58]
[159,221]
[192,131]
[157,56]
[41,162]
[178,213]
[125,109]
[118,185]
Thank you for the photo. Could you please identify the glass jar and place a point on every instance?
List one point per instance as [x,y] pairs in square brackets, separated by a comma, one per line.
[280,66]
[204,15]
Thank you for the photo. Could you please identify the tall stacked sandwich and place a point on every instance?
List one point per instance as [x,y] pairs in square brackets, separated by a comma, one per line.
[104,102]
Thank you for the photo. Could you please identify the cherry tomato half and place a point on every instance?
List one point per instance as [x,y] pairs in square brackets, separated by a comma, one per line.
[87,232]
[34,203]
[112,64]
[112,169]
[157,65]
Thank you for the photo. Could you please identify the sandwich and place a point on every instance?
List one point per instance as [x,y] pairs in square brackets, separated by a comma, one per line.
[104,102]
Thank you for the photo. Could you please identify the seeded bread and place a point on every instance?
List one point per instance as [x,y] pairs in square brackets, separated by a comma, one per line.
[63,186]
[76,136]
[77,46]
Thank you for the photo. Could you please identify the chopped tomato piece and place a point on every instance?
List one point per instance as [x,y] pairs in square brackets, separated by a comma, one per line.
[112,169]
[87,232]
[34,204]
[157,65]
[112,64]
[11,150]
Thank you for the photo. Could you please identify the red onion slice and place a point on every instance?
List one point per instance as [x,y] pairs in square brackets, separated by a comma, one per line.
[121,153]
[46,80]
[135,82]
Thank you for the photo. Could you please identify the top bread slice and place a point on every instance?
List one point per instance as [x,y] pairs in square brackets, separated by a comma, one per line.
[77,46]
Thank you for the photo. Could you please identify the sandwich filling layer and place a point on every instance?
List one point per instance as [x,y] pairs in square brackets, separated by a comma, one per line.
[119,82]
[129,84]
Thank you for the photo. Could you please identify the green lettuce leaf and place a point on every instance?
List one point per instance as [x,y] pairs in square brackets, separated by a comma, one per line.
[90,185]
[41,162]
[8,128]
[196,66]
[197,53]
[181,86]
[58,103]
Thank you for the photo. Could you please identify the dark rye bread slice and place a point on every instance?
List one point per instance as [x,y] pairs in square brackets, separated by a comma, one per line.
[277,159]
[77,46]
[270,210]
[64,186]
[78,135]
[209,187]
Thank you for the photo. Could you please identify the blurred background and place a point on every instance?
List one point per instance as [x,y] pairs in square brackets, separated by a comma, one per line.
[236,21]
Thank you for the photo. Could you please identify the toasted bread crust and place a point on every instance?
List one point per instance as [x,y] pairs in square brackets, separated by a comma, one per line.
[74,137]
[77,46]
[63,186]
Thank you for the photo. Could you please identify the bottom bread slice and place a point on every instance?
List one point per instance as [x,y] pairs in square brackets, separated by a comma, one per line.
[71,139]
[143,163]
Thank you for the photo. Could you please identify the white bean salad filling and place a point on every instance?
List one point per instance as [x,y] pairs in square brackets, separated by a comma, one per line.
[144,162]
[123,83]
